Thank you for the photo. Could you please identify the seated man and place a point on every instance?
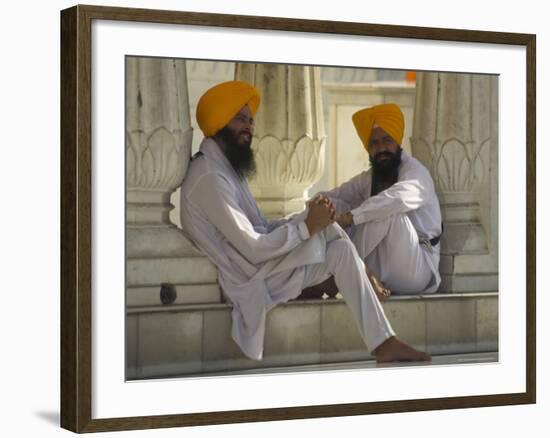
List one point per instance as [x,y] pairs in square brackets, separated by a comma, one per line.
[262,263]
[391,212]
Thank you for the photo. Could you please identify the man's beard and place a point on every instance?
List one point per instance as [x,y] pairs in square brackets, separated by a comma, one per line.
[385,172]
[239,155]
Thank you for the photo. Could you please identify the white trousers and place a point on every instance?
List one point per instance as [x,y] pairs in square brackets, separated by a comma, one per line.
[343,261]
[392,251]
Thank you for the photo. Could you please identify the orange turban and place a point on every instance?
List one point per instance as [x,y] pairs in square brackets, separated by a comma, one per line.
[388,116]
[222,102]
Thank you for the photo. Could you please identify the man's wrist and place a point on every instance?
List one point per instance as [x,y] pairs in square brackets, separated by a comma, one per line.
[347,219]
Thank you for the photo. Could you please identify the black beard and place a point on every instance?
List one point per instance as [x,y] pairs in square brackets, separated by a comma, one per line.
[239,155]
[384,172]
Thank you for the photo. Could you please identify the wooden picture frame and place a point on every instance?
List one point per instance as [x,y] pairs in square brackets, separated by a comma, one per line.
[76,218]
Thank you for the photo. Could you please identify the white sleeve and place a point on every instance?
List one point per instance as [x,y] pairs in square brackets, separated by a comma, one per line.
[215,197]
[411,192]
[275,223]
[350,194]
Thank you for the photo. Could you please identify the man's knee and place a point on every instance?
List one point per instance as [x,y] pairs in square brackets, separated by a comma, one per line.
[394,219]
[342,245]
[402,231]
[399,222]
[342,250]
[400,218]
[368,236]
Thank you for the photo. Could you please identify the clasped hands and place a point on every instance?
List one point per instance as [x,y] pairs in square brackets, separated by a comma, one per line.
[322,213]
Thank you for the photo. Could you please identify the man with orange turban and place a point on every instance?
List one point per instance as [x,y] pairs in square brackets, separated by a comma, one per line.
[262,263]
[391,211]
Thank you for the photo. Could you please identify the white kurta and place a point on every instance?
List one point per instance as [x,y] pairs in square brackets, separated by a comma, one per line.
[388,228]
[260,263]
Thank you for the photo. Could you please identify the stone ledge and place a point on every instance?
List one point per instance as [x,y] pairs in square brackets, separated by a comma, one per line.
[196,338]
[324,302]
[149,296]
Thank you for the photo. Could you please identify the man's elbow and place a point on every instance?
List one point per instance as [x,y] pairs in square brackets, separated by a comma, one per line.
[412,204]
[254,254]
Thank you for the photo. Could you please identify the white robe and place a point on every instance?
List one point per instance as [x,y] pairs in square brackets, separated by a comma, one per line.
[403,214]
[262,263]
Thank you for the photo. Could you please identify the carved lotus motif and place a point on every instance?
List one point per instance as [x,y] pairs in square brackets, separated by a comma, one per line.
[460,165]
[287,162]
[456,165]
[157,159]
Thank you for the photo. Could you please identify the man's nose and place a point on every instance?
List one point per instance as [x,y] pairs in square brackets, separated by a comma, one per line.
[379,148]
[249,127]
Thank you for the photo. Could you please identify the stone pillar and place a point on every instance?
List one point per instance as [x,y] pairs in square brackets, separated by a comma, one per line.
[158,149]
[455,134]
[289,137]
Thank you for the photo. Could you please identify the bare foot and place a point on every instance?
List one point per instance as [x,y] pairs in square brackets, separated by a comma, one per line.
[382,292]
[392,350]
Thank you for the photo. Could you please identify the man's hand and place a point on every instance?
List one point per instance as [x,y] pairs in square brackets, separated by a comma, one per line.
[345,219]
[321,214]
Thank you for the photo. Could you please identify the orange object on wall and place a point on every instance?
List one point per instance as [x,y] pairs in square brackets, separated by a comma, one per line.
[410,76]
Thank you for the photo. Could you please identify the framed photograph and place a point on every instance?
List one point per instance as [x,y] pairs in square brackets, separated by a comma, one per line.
[148,327]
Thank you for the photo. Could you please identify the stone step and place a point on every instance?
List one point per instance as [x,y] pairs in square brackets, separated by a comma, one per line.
[462,283]
[138,297]
[177,340]
[468,273]
[142,272]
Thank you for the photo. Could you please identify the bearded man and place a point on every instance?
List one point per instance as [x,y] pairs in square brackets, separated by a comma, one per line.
[262,263]
[391,211]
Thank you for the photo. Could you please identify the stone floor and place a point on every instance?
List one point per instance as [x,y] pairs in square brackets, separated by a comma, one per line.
[437,361]
[452,359]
